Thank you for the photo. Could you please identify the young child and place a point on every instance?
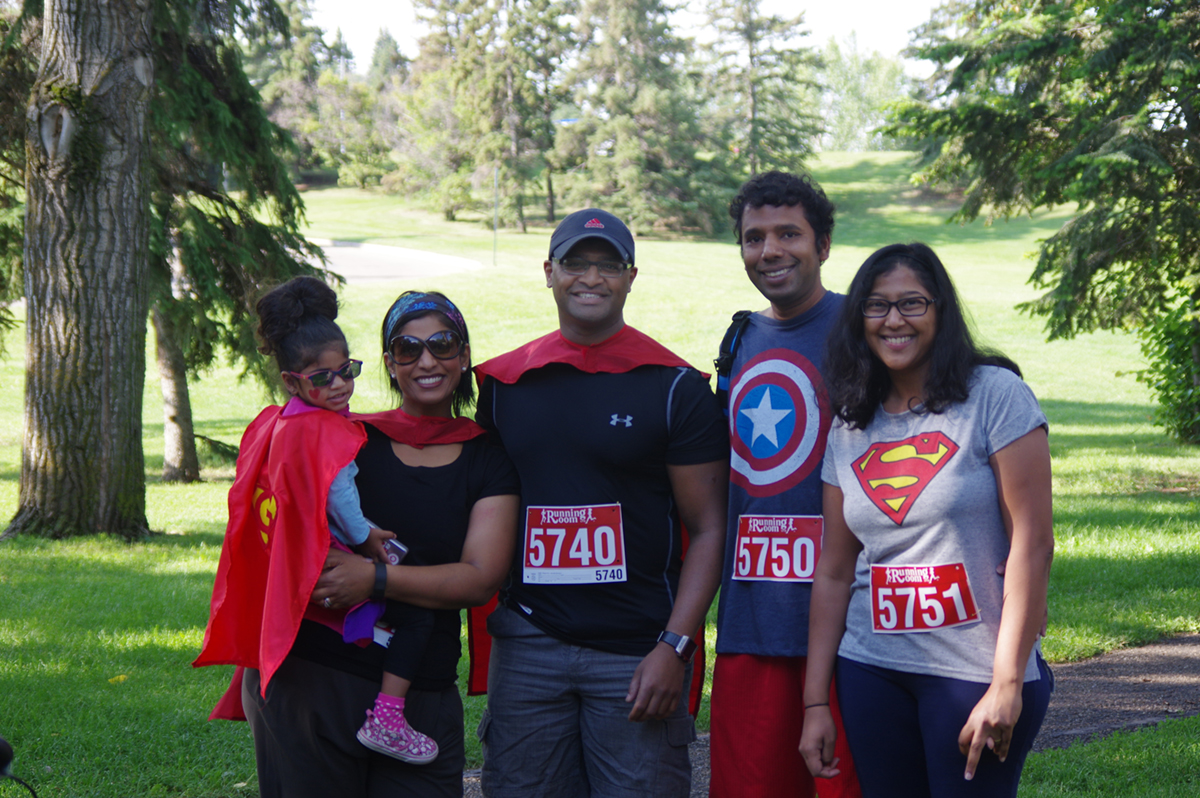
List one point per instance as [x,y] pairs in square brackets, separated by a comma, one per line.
[296,324]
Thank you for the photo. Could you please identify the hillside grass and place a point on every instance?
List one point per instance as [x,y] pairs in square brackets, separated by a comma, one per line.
[96,635]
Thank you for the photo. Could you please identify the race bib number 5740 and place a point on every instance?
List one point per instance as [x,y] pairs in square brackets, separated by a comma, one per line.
[574,545]
[920,598]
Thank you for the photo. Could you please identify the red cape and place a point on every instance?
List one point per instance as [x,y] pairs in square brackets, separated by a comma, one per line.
[624,351]
[276,540]
[421,431]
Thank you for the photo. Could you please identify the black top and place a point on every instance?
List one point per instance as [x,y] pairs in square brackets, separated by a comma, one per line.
[590,439]
[428,508]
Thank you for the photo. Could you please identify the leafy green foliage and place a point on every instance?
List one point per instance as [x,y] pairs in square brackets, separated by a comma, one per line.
[18,68]
[857,88]
[1172,372]
[1040,104]
[284,57]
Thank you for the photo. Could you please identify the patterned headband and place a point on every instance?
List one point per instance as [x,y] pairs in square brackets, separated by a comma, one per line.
[418,302]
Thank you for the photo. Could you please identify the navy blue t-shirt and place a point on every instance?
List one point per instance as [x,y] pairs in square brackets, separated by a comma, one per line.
[779,417]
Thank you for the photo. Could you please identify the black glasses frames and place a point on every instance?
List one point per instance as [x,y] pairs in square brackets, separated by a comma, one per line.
[910,306]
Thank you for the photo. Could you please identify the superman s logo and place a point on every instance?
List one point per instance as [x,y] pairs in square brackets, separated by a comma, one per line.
[265,510]
[894,473]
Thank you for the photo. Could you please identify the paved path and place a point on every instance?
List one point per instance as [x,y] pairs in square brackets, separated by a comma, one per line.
[1120,690]
[1124,689]
[374,263]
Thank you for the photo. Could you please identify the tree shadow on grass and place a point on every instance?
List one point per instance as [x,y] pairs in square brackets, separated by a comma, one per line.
[1104,425]
[1132,510]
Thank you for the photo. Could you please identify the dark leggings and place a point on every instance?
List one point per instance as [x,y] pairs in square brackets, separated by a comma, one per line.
[903,732]
[413,627]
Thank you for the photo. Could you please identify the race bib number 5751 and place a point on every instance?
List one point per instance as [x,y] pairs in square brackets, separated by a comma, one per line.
[920,598]
[574,545]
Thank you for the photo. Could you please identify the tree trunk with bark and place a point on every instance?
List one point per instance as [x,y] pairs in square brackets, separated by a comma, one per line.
[86,262]
[180,462]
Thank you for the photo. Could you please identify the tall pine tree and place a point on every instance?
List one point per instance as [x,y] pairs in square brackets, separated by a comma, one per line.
[638,130]
[764,88]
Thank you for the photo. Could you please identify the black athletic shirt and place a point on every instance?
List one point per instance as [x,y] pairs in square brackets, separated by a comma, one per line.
[587,439]
[428,508]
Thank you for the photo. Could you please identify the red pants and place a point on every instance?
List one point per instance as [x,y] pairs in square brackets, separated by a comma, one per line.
[757,717]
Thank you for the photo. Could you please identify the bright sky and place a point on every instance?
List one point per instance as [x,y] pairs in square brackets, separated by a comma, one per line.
[881,25]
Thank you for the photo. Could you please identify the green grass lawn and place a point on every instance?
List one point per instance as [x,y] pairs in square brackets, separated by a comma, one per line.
[96,636]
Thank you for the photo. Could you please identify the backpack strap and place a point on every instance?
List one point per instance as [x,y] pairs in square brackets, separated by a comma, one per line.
[724,361]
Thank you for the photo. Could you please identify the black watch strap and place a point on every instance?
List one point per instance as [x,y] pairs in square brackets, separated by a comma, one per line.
[380,582]
[684,646]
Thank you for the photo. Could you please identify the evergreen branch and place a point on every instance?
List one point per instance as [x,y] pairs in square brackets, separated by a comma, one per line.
[16,183]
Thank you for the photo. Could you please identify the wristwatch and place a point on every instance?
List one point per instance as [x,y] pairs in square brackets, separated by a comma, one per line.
[684,646]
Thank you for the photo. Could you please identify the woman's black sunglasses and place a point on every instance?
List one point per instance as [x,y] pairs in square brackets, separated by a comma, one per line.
[444,345]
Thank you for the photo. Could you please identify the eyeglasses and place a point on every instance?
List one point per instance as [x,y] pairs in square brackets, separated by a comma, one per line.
[444,345]
[608,268]
[909,306]
[323,377]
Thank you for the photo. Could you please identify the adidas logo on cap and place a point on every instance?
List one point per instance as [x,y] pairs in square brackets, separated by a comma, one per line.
[594,223]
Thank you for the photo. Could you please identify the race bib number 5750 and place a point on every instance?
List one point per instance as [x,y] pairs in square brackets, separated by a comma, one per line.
[574,545]
[777,548]
[920,598]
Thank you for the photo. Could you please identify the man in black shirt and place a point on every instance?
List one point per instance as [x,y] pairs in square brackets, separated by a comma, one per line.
[619,445]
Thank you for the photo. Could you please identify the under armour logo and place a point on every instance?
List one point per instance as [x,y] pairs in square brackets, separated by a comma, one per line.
[627,421]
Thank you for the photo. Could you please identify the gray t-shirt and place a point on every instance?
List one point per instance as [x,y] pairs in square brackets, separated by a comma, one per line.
[921,497]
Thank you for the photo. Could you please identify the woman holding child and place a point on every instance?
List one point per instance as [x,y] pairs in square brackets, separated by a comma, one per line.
[931,586]
[332,717]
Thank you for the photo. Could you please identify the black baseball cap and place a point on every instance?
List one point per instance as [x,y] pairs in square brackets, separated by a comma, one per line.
[591,223]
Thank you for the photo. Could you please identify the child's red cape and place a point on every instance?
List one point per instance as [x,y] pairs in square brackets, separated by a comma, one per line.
[622,352]
[276,541]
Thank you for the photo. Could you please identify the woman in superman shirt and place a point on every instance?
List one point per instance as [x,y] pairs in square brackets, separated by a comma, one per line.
[931,586]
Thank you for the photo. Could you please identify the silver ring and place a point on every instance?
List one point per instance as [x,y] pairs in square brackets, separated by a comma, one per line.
[326,602]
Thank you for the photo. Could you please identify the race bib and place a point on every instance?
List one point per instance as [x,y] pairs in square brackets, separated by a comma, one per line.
[920,598]
[574,545]
[777,548]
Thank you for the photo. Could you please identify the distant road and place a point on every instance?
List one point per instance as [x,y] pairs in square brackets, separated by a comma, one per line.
[374,263]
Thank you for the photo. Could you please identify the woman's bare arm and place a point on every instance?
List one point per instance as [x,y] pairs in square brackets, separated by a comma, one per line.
[1023,481]
[826,625]
[487,556]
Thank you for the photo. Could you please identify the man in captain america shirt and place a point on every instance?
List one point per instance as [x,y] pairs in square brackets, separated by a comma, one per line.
[619,445]
[779,417]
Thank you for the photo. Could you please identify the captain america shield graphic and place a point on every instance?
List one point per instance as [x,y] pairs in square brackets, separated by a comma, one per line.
[778,419]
